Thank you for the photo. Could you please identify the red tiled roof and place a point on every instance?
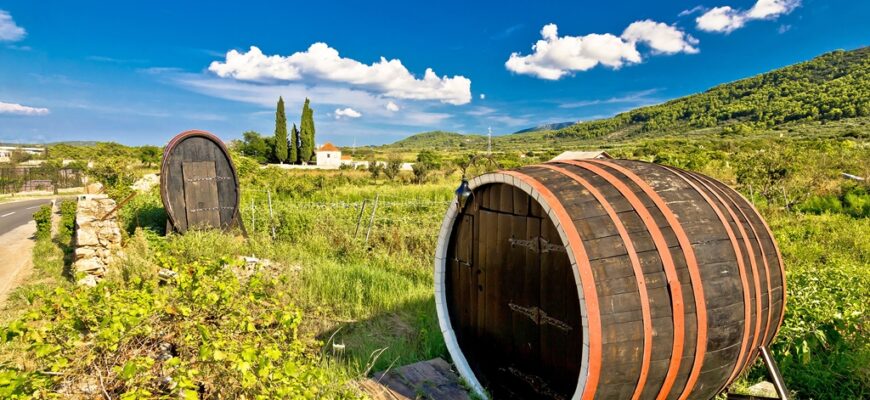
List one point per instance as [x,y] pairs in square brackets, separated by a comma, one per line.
[346,157]
[328,147]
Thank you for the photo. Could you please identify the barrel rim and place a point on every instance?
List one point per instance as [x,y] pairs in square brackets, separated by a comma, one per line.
[173,143]
[458,357]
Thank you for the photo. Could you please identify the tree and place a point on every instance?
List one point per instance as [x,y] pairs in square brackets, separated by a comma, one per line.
[394,166]
[429,158]
[306,135]
[280,132]
[294,145]
[254,146]
[149,155]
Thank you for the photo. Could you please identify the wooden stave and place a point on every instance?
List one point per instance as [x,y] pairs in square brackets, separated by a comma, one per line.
[168,150]
[716,354]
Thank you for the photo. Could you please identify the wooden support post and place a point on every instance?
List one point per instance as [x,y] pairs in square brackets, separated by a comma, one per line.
[372,219]
[121,204]
[271,213]
[359,217]
[775,375]
[253,220]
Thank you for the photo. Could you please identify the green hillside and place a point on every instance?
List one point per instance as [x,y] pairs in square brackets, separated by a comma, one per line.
[440,140]
[832,88]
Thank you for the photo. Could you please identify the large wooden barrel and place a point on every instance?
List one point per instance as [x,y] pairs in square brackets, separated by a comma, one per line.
[605,279]
[198,183]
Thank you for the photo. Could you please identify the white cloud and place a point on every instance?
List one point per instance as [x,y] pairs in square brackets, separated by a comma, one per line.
[346,112]
[392,106]
[690,11]
[769,9]
[637,98]
[322,63]
[9,31]
[725,19]
[327,96]
[482,96]
[721,19]
[18,109]
[661,38]
[555,56]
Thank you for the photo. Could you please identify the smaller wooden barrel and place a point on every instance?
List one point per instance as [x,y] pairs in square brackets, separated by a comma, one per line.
[605,279]
[199,185]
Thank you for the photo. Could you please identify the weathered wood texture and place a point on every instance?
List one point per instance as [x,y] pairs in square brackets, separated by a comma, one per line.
[686,282]
[431,379]
[198,183]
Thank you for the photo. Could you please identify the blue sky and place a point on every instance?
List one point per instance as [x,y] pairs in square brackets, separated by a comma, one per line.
[118,71]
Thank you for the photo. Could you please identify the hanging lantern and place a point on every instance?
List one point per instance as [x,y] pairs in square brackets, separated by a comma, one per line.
[463,192]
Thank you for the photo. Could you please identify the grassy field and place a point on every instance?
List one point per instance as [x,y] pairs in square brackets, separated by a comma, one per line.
[344,304]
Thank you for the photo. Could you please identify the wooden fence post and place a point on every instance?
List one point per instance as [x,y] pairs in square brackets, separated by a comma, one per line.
[271,213]
[359,217]
[372,219]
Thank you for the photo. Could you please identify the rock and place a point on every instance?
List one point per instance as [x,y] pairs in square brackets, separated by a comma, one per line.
[84,252]
[762,389]
[146,183]
[94,188]
[86,237]
[89,265]
[89,281]
[96,239]
[166,274]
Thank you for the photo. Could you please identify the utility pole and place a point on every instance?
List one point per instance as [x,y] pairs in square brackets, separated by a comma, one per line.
[489,141]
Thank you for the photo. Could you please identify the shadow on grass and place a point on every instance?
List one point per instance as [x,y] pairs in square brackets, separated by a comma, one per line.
[146,216]
[401,336]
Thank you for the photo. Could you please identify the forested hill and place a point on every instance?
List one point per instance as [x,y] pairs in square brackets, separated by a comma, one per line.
[832,86]
[440,140]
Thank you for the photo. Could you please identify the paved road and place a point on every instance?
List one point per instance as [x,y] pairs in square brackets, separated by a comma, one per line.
[13,215]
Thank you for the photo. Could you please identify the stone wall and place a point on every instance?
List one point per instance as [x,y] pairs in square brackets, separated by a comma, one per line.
[96,241]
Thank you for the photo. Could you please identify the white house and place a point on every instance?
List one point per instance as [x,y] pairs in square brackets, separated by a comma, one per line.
[328,156]
[582,155]
[6,151]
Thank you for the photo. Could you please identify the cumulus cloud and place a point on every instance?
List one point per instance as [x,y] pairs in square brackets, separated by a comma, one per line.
[555,56]
[346,112]
[661,38]
[392,106]
[725,19]
[18,109]
[323,63]
[9,31]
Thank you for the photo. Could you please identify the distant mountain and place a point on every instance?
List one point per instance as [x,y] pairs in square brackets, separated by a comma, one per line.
[547,127]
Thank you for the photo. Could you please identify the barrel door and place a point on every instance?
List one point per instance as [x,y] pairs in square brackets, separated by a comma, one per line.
[524,334]
[605,279]
[199,185]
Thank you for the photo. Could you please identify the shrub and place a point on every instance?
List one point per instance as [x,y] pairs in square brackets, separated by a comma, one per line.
[210,335]
[43,222]
[67,217]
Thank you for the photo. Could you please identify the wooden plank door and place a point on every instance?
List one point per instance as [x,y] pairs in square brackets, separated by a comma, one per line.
[511,291]
[201,194]
[561,332]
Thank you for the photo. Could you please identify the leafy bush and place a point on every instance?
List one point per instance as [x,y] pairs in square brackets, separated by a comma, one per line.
[67,217]
[823,347]
[43,221]
[208,334]
[855,201]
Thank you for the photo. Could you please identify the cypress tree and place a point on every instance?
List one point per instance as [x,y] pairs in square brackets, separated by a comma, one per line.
[294,145]
[280,132]
[306,134]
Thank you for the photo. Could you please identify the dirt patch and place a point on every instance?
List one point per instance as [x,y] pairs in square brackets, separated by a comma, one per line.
[15,258]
